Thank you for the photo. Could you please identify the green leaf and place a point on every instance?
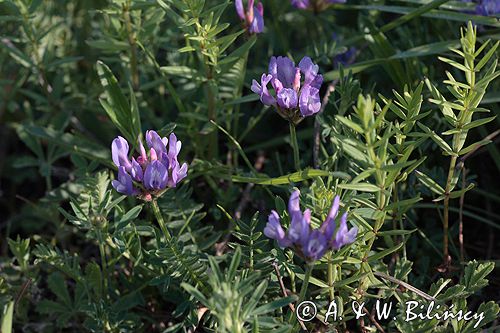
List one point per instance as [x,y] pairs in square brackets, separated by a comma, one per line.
[7,315]
[396,232]
[250,305]
[57,285]
[351,124]
[440,142]
[125,117]
[274,305]
[473,146]
[456,194]
[195,293]
[288,179]
[362,187]
[478,122]
[381,254]
[235,262]
[429,183]
[94,278]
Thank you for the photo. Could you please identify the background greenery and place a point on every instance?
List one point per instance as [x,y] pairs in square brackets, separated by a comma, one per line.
[75,74]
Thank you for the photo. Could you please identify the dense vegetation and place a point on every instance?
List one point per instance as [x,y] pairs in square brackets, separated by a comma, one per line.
[332,151]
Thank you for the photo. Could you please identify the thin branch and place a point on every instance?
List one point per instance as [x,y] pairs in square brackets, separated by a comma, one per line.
[406,285]
[372,319]
[285,293]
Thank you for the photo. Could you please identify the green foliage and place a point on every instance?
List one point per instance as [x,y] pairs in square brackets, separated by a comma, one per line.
[235,297]
[396,129]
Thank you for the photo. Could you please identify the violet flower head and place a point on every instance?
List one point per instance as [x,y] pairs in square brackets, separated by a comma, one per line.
[253,16]
[315,5]
[295,89]
[309,243]
[151,174]
[485,7]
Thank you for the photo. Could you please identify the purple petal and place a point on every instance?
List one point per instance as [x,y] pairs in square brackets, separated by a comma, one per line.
[119,153]
[309,69]
[309,101]
[274,230]
[300,4]
[343,235]
[296,80]
[155,176]
[155,141]
[287,98]
[257,25]
[285,71]
[124,184]
[265,97]
[143,157]
[239,8]
[294,203]
[315,246]
[273,67]
[328,226]
[174,147]
[260,8]
[177,174]
[136,171]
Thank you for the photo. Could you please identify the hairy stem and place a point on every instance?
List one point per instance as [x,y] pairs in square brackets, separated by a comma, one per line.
[331,277]
[159,218]
[295,146]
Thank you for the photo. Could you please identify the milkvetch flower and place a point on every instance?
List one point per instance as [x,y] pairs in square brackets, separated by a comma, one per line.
[315,5]
[253,16]
[309,243]
[486,7]
[150,174]
[296,89]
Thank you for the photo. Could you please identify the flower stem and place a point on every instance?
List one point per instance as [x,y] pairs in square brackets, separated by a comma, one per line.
[104,264]
[446,213]
[159,218]
[331,277]
[302,295]
[295,146]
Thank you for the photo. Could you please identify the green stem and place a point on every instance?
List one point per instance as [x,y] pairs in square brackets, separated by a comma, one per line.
[104,264]
[295,146]
[446,203]
[331,277]
[159,218]
[302,295]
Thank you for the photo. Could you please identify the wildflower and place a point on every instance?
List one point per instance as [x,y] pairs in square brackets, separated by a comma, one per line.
[292,99]
[315,5]
[253,16]
[486,7]
[148,175]
[310,243]
[345,58]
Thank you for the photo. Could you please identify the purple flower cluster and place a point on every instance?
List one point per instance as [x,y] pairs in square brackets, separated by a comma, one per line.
[316,5]
[486,7]
[290,94]
[346,58]
[149,174]
[310,243]
[253,16]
